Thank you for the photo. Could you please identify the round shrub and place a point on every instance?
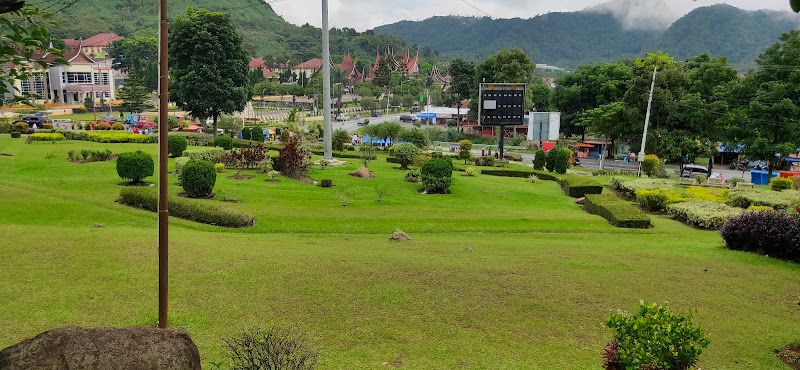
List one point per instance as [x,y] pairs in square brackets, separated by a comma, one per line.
[538,161]
[699,178]
[550,160]
[246,133]
[176,145]
[781,183]
[562,161]
[135,165]
[21,127]
[16,135]
[436,175]
[257,134]
[650,165]
[102,126]
[47,126]
[224,142]
[198,178]
[405,153]
[464,153]
[87,126]
[117,126]
[5,127]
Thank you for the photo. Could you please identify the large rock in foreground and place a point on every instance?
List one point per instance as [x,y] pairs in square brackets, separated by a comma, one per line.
[74,347]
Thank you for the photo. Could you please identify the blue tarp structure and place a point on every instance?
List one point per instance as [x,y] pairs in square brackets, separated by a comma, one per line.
[792,159]
[368,139]
[426,115]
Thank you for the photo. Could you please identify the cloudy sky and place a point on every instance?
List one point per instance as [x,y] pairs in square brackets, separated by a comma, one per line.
[367,14]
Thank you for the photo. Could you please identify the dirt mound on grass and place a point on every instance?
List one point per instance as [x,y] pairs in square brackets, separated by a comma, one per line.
[363,173]
[399,235]
[74,347]
[790,356]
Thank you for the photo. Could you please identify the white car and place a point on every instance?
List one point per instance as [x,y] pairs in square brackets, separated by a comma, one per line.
[342,117]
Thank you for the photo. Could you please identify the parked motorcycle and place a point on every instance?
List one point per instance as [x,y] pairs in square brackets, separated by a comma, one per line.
[739,166]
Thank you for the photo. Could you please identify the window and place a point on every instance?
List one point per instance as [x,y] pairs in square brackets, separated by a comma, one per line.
[101,78]
[38,83]
[79,77]
[25,86]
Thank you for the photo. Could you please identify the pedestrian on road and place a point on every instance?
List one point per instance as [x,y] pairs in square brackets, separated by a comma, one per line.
[483,152]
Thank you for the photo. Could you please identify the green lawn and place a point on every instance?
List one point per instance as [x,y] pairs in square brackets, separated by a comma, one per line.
[532,294]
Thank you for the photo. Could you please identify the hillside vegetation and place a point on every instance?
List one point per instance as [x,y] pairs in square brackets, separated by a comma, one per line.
[568,39]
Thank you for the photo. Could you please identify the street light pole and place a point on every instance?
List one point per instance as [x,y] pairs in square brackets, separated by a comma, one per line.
[326,83]
[163,186]
[647,115]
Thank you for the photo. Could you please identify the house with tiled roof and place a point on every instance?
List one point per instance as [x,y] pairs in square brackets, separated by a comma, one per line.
[95,46]
[60,83]
[256,63]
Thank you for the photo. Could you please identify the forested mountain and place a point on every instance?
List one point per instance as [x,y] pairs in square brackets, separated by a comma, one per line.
[568,39]
[264,32]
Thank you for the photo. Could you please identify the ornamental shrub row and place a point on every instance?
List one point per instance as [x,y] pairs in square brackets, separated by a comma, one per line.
[203,154]
[618,212]
[53,137]
[628,186]
[744,198]
[658,200]
[542,175]
[120,137]
[579,186]
[770,232]
[703,213]
[193,210]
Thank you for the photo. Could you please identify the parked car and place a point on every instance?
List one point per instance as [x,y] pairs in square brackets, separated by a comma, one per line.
[38,120]
[415,110]
[342,117]
[363,122]
[692,170]
[377,113]
[407,118]
[107,119]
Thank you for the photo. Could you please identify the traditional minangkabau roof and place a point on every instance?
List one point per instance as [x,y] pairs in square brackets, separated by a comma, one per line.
[101,39]
[437,77]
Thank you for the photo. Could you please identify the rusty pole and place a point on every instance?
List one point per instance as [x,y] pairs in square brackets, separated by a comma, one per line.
[163,187]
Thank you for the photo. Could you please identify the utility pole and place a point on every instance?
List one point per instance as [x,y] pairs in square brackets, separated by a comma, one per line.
[647,115]
[326,83]
[163,186]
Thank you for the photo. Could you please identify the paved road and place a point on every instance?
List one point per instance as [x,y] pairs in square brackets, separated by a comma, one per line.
[352,126]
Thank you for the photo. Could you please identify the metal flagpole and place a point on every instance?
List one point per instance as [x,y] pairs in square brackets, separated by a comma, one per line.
[163,186]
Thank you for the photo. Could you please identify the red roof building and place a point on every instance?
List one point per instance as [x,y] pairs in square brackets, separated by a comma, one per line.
[95,46]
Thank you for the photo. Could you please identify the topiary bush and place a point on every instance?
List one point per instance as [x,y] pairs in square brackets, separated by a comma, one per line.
[246,133]
[102,126]
[550,160]
[405,154]
[769,232]
[198,178]
[15,135]
[326,183]
[176,145]
[780,183]
[465,146]
[650,165]
[618,212]
[21,127]
[539,160]
[562,161]
[224,142]
[135,166]
[117,126]
[436,176]
[257,134]
[700,179]
[653,338]
[486,160]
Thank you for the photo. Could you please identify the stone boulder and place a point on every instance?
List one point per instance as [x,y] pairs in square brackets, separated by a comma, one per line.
[363,173]
[399,235]
[513,156]
[74,347]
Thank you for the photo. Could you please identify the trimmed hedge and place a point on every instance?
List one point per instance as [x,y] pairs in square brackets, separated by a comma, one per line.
[198,178]
[769,232]
[15,135]
[54,137]
[180,162]
[629,186]
[203,154]
[542,175]
[618,212]
[744,198]
[343,154]
[176,145]
[198,211]
[658,200]
[579,186]
[224,142]
[120,137]
[703,213]
[243,143]
[135,165]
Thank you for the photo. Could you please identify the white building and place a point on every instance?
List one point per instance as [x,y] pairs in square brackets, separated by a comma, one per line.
[59,83]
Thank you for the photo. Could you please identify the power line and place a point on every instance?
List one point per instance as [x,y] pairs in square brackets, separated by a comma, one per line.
[65,7]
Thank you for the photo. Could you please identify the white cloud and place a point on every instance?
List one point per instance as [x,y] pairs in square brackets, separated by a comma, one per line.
[368,14]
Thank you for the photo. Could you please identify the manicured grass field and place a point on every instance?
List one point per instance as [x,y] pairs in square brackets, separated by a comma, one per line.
[532,293]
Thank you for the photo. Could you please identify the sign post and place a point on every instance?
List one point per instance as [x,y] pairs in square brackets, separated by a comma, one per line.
[501,105]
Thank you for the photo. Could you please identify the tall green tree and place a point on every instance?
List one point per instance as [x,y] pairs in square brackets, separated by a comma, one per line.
[463,74]
[209,67]
[134,94]
[24,34]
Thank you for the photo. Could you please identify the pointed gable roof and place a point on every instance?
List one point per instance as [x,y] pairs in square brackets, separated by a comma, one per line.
[101,39]
[77,55]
